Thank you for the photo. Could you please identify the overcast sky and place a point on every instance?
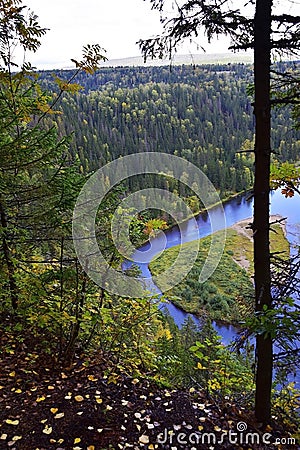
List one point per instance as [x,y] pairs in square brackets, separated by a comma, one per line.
[114,24]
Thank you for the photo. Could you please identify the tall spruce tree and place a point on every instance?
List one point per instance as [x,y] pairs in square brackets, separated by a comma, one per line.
[262,30]
[38,183]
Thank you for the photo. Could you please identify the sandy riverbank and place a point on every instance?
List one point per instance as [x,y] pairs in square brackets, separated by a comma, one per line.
[243,227]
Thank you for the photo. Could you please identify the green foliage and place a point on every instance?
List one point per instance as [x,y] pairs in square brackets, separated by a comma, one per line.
[153,225]
[223,370]
[285,176]
[286,403]
[183,112]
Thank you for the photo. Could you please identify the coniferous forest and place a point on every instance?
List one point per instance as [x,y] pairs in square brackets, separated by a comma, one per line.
[182,110]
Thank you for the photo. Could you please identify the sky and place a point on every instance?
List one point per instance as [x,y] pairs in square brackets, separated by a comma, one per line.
[114,24]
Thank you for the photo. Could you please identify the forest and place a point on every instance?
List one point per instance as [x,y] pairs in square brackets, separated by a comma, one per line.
[83,366]
[182,111]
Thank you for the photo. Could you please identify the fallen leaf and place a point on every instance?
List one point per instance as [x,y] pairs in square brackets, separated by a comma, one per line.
[47,430]
[92,378]
[40,399]
[12,422]
[16,438]
[109,408]
[54,410]
[135,381]
[51,388]
[59,415]
[91,447]
[144,439]
[12,374]
[99,400]
[79,398]
[18,391]
[3,436]
[77,440]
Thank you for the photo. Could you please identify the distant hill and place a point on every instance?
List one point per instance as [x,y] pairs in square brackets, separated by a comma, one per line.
[203,58]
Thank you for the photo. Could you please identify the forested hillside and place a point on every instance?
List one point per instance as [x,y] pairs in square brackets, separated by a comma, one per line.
[201,113]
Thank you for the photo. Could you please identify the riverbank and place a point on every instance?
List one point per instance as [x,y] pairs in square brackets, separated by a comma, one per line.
[228,295]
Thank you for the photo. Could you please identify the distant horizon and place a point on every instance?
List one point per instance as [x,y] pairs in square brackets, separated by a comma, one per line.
[178,59]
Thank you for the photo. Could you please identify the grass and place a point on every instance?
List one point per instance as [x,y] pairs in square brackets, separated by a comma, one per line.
[228,294]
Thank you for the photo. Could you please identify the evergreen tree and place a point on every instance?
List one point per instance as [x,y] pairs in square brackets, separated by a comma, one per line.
[216,18]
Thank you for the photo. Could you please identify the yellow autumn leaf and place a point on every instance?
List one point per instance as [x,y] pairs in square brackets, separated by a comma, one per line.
[40,399]
[12,374]
[99,400]
[144,439]
[59,415]
[91,447]
[54,410]
[47,430]
[12,422]
[51,388]
[79,398]
[199,366]
[16,438]
[77,440]
[92,378]
[18,391]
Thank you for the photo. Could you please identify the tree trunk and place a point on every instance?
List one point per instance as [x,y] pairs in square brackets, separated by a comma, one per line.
[262,277]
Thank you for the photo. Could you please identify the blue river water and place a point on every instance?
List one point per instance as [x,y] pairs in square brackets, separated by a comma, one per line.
[235,210]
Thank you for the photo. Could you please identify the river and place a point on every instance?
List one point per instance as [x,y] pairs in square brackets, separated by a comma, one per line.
[236,209]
